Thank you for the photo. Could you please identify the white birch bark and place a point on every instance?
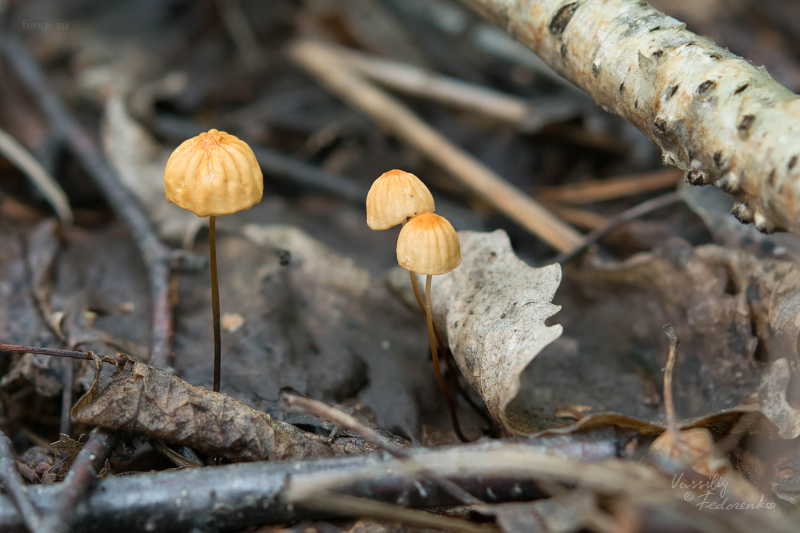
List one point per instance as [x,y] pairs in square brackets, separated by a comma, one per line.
[716,116]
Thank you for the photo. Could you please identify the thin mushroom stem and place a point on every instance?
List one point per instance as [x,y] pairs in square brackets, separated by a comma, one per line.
[435,356]
[448,359]
[212,252]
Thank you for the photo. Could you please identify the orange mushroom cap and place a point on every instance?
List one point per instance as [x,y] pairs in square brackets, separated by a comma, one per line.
[213,174]
[428,244]
[395,196]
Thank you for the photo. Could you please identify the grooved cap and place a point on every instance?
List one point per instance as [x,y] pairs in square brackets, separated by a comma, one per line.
[213,174]
[428,244]
[395,196]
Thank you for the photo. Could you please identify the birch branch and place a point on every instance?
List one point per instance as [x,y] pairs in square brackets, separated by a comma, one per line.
[715,116]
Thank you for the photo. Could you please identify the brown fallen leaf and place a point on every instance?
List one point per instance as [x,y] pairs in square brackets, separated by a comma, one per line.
[494,307]
[148,401]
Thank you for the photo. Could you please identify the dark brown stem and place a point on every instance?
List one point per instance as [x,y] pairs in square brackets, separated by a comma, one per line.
[212,254]
[435,355]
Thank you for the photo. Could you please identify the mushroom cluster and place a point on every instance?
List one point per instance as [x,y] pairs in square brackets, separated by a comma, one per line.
[427,245]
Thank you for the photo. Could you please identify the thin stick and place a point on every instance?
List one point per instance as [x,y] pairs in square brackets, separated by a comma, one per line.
[587,192]
[435,355]
[319,409]
[581,218]
[403,123]
[240,31]
[618,220]
[81,476]
[212,252]
[19,348]
[443,89]
[669,403]
[66,397]
[13,485]
[50,189]
[341,504]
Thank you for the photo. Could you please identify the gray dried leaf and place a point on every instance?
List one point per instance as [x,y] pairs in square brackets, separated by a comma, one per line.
[148,401]
[494,307]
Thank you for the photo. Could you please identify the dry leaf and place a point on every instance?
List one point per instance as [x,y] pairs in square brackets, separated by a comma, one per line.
[149,401]
[495,306]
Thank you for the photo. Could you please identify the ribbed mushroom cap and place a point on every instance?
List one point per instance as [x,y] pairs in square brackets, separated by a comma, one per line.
[213,174]
[428,244]
[395,196]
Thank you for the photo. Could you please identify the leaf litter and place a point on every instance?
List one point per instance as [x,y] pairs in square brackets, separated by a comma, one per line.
[312,318]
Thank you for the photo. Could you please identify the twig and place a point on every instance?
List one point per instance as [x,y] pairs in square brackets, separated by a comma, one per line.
[587,192]
[340,504]
[402,122]
[719,118]
[581,218]
[14,486]
[81,476]
[50,189]
[240,32]
[66,396]
[669,403]
[155,255]
[326,412]
[443,89]
[18,348]
[88,462]
[626,216]
[233,497]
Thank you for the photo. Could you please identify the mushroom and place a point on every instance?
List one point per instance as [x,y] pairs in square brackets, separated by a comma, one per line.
[393,198]
[211,175]
[429,245]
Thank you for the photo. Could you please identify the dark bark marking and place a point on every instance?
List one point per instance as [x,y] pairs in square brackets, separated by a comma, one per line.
[745,124]
[673,91]
[696,177]
[705,86]
[741,88]
[559,22]
[792,162]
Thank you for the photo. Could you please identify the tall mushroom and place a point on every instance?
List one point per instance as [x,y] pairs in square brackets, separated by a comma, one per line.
[211,175]
[429,245]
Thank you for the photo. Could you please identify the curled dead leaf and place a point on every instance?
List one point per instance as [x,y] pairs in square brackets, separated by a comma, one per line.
[145,400]
[494,307]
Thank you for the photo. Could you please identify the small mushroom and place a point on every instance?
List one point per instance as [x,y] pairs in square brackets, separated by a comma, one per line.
[429,245]
[395,196]
[210,175]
